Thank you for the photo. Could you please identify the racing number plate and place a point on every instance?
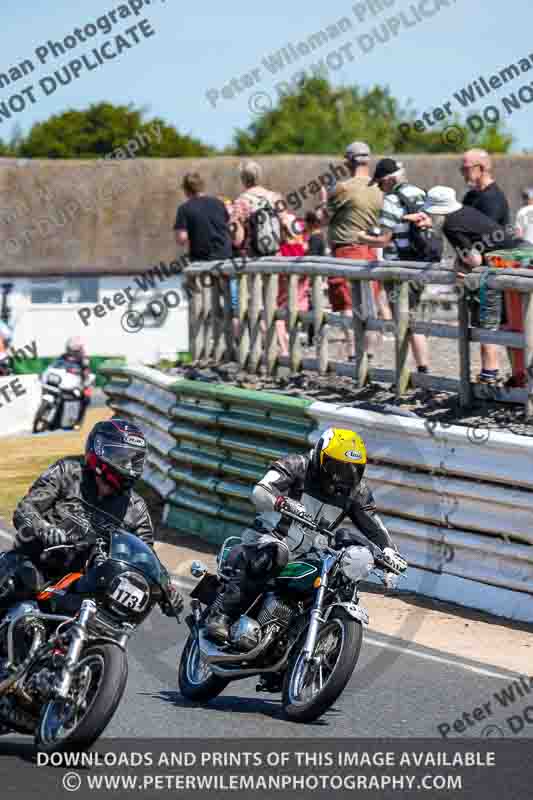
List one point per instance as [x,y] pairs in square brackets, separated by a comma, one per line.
[129,595]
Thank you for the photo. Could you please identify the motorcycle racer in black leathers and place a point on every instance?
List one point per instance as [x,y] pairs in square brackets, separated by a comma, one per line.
[76,495]
[328,485]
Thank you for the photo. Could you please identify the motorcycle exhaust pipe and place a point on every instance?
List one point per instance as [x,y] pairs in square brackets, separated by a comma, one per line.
[212,654]
[249,671]
[37,643]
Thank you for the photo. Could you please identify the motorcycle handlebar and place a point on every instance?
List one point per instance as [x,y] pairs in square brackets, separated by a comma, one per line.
[379,556]
[46,554]
[79,546]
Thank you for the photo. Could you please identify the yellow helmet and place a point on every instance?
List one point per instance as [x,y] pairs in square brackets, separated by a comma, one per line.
[339,460]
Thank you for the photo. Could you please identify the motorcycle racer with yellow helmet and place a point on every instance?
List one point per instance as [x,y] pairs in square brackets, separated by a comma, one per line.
[328,485]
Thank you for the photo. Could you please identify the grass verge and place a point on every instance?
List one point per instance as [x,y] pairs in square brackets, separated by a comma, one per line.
[24,458]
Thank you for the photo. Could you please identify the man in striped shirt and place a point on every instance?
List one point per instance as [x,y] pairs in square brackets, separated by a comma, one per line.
[394,237]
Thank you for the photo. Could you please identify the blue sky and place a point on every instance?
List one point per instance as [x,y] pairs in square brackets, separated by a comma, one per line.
[197,49]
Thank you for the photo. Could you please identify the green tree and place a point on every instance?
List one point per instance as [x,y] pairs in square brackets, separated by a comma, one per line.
[318,119]
[101,129]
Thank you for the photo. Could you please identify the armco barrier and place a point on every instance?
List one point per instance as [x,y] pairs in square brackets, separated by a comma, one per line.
[463,523]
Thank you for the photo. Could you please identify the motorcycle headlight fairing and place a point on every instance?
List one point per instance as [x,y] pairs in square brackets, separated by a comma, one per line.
[357,563]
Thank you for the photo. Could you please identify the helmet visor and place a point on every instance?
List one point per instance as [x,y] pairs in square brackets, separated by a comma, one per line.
[126,460]
[341,474]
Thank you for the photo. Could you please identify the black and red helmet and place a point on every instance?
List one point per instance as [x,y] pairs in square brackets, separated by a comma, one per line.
[115,450]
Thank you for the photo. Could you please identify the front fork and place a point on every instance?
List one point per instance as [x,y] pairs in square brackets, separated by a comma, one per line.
[78,637]
[316,614]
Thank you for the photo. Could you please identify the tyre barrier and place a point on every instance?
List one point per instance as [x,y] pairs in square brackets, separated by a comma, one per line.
[447,499]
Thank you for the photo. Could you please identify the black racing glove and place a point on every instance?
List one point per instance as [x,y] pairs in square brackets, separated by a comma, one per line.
[51,537]
[173,604]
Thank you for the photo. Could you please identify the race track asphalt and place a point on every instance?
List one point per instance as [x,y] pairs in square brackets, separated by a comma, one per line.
[396,691]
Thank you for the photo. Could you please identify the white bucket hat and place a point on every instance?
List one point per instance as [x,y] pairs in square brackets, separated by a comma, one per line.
[441,200]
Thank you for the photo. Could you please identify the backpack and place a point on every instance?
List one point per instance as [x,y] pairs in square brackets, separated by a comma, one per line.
[264,227]
[425,244]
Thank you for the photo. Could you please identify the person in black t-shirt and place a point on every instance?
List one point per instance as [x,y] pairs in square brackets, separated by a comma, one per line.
[472,234]
[202,222]
[484,194]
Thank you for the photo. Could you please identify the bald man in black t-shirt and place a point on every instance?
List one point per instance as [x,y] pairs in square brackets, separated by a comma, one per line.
[484,194]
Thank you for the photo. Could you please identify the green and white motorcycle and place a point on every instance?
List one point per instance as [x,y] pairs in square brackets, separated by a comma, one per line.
[302,635]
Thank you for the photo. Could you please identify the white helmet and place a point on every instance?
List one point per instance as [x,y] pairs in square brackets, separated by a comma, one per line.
[75,345]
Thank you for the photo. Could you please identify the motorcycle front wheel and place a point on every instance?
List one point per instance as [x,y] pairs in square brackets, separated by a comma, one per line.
[41,423]
[310,688]
[77,723]
[196,681]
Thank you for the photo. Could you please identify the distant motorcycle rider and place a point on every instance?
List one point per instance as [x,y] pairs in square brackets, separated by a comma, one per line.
[328,485]
[75,353]
[76,495]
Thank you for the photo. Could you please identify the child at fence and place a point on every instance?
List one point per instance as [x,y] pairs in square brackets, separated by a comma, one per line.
[293,245]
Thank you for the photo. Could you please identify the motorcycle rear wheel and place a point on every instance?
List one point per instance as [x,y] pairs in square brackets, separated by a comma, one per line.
[308,692]
[60,728]
[196,681]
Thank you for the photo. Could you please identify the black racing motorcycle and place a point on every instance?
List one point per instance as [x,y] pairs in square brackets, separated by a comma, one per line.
[63,655]
[302,635]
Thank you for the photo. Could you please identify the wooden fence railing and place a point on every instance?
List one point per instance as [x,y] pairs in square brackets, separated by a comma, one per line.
[212,335]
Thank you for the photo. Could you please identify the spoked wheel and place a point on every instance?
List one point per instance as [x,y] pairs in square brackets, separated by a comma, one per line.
[312,686]
[99,683]
[196,680]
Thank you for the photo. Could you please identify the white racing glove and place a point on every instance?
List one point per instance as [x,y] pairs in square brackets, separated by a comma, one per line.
[394,560]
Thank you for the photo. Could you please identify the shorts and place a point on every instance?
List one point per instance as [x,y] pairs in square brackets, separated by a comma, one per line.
[340,294]
[339,289]
[302,293]
[415,294]
[487,314]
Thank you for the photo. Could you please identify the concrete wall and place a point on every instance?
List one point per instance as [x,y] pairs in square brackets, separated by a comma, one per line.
[116,217]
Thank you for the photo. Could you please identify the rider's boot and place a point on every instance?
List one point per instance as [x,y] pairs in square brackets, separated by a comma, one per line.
[227,608]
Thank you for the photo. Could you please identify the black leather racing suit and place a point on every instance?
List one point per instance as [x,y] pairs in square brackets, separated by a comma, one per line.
[273,539]
[65,496]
